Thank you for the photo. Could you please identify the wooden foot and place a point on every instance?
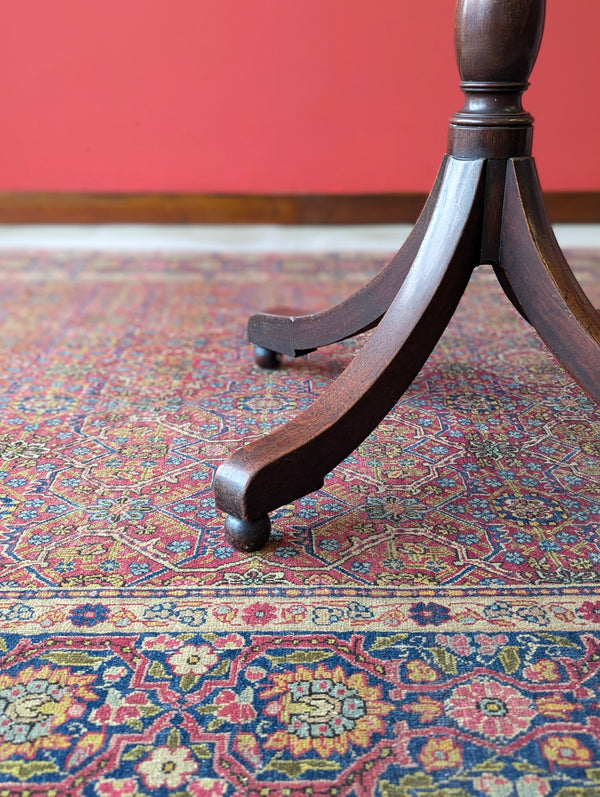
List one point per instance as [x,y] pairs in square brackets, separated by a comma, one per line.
[293,460]
[295,333]
[545,286]
[266,358]
[247,535]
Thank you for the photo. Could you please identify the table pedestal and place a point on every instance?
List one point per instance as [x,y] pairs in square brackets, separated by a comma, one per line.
[486,207]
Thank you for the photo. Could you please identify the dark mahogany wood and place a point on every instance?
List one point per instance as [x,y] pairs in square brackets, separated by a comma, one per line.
[486,207]
[538,273]
[295,333]
[293,460]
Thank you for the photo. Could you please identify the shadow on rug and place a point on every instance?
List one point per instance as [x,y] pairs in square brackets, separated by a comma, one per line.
[427,623]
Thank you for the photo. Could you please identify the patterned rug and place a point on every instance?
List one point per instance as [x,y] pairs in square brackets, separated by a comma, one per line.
[426,624]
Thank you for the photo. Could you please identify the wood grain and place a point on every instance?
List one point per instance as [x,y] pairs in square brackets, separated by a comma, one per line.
[398,208]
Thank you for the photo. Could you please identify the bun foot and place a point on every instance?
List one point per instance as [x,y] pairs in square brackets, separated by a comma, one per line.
[266,358]
[247,535]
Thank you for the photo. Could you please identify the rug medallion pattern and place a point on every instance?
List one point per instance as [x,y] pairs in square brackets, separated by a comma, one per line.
[426,623]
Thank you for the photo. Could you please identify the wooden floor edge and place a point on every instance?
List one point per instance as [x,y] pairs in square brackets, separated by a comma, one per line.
[157,208]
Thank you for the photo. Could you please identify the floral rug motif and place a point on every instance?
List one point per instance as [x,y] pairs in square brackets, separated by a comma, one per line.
[428,623]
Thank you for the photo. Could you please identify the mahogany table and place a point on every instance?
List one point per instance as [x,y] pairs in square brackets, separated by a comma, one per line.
[486,207]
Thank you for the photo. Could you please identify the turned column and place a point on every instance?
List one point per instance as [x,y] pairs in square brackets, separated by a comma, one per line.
[496,42]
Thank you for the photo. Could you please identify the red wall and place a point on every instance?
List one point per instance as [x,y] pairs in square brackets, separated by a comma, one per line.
[265,96]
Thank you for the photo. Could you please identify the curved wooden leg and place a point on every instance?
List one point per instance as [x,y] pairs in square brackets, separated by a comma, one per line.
[508,291]
[293,333]
[551,298]
[293,460]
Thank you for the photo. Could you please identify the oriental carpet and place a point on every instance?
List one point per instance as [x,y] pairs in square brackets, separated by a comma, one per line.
[428,623]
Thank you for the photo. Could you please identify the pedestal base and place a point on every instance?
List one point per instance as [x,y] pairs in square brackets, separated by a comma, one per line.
[486,210]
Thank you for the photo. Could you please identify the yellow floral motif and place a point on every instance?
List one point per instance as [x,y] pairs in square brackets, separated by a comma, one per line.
[542,670]
[420,672]
[555,706]
[566,751]
[34,703]
[440,754]
[324,710]
[427,708]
